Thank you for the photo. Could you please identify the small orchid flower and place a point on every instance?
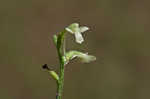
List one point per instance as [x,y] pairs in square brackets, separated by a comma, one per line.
[84,57]
[76,30]
[66,57]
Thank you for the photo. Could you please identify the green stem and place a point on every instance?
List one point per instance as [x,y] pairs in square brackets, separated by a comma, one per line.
[60,82]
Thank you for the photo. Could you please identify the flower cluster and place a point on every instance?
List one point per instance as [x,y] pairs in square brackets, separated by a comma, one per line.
[77,31]
[66,57]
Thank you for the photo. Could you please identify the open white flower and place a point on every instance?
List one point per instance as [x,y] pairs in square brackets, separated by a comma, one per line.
[83,57]
[76,30]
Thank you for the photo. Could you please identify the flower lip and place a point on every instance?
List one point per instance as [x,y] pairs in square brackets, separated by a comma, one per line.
[79,38]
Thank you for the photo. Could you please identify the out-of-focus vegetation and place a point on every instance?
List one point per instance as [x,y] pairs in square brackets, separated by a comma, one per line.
[119,38]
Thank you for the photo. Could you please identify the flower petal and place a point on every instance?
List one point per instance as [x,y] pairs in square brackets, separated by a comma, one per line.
[78,37]
[85,58]
[69,30]
[74,25]
[83,29]
[73,28]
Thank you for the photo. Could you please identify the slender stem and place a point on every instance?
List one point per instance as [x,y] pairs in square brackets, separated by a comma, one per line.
[64,46]
[60,82]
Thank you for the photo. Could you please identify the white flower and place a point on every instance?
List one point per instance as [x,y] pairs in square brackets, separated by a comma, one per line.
[76,30]
[84,57]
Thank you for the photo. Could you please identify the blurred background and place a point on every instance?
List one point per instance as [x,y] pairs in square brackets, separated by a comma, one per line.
[119,37]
